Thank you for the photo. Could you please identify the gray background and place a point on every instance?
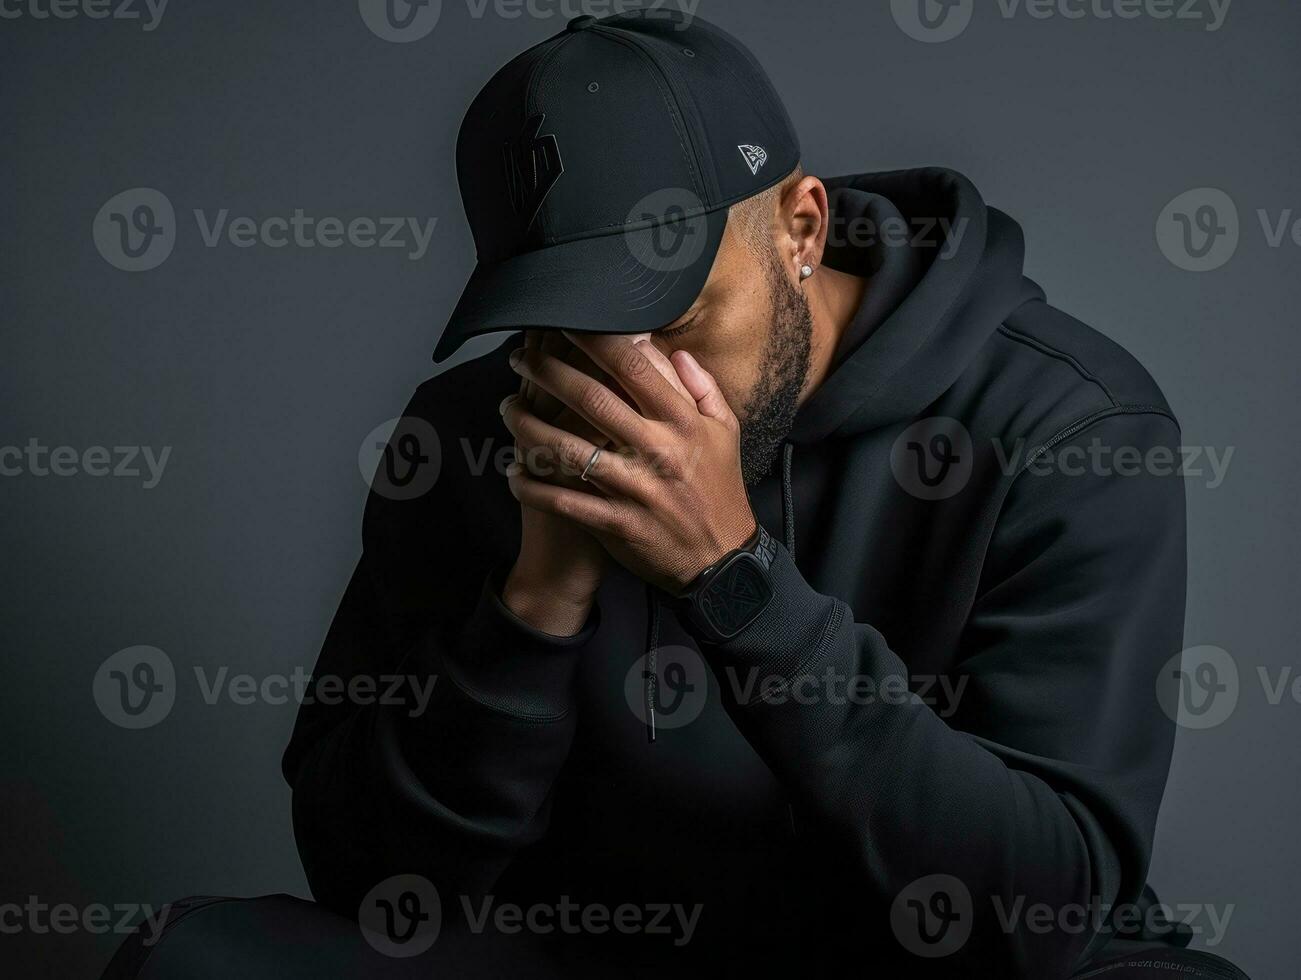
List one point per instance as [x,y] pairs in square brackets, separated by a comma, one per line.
[264,370]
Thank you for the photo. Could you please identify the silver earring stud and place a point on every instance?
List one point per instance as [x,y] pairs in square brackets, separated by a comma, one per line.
[806,272]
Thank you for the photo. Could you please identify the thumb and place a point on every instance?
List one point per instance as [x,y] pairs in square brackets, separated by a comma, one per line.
[700,384]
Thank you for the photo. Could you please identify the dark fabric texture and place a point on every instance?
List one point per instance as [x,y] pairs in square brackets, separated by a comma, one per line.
[278,937]
[1045,600]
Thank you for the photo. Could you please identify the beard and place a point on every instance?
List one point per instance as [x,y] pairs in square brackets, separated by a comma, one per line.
[770,411]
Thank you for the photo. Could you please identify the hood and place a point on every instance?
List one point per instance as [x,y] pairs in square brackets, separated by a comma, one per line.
[943,273]
[929,306]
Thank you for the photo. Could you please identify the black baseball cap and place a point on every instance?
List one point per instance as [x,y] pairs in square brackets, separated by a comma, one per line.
[597,168]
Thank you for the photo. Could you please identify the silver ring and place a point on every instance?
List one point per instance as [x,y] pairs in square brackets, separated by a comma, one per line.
[596,454]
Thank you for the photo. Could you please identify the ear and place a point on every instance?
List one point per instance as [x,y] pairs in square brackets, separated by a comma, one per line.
[803,222]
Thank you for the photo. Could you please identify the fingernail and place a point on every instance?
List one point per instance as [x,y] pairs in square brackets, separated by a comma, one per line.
[516,355]
[505,404]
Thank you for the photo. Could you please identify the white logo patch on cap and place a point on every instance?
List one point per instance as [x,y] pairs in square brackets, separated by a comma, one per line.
[755,157]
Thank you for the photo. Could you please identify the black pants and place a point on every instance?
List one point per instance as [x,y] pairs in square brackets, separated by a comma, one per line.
[286,939]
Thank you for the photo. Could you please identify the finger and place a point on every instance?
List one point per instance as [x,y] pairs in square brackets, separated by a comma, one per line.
[548,408]
[627,361]
[579,426]
[561,415]
[564,419]
[532,341]
[550,452]
[661,362]
[549,342]
[702,387]
[595,513]
[586,396]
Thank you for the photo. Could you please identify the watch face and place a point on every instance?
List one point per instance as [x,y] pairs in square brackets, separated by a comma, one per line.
[735,596]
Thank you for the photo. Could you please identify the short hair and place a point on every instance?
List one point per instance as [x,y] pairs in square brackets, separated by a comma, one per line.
[753,216]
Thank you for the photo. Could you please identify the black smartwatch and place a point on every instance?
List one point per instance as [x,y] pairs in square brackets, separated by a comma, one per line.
[730,594]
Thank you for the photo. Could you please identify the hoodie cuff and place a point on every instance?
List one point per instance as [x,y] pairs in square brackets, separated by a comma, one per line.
[791,631]
[505,664]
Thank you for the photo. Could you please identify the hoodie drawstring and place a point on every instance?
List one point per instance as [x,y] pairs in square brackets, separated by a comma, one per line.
[649,675]
[652,655]
[788,499]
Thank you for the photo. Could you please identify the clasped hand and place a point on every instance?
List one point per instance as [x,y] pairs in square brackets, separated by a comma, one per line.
[665,494]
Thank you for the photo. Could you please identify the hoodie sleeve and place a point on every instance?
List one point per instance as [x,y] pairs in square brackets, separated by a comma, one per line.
[1044,785]
[449,773]
[436,721]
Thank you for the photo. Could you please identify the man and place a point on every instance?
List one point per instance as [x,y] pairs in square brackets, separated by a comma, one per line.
[813,624]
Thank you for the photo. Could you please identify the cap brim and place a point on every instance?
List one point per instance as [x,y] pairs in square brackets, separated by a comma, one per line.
[630,282]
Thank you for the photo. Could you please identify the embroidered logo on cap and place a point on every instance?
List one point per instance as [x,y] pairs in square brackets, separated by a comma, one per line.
[755,157]
[533,166]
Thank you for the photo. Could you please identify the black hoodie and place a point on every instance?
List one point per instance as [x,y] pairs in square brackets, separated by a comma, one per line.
[957,676]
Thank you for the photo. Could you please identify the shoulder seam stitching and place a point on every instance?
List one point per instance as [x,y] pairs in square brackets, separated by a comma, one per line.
[1080,424]
[1035,344]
